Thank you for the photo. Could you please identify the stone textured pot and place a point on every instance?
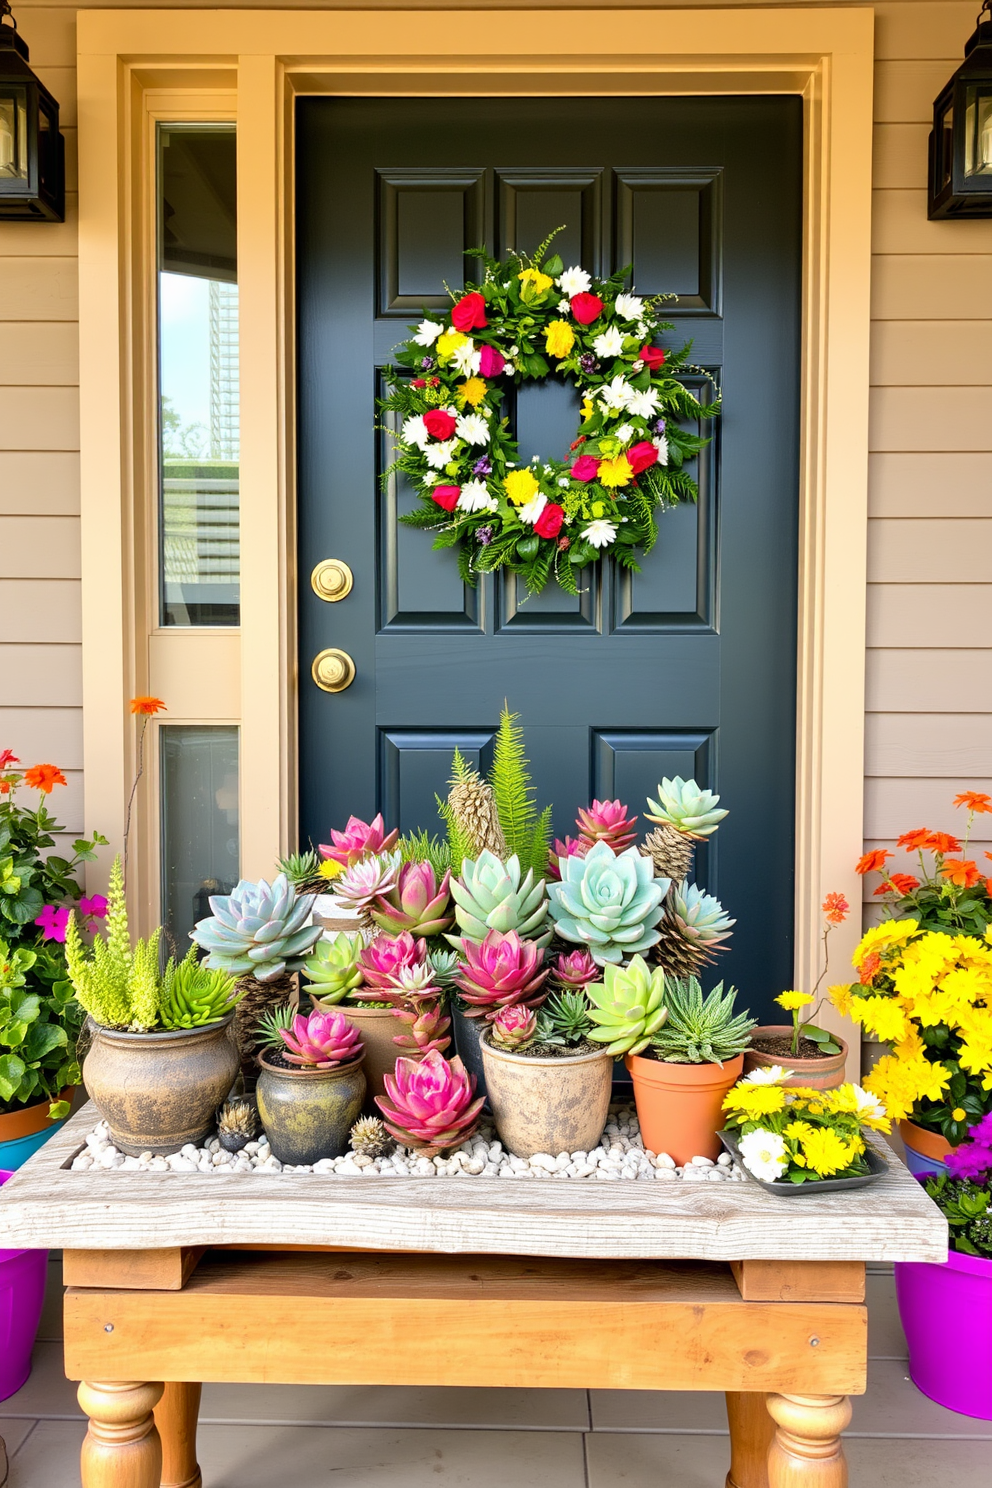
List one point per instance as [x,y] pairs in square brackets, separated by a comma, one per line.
[377,1027]
[548,1105]
[308,1113]
[680,1106]
[158,1091]
[815,1074]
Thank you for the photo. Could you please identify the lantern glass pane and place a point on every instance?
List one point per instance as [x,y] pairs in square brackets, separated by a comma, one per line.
[978,130]
[199,433]
[14,133]
[945,147]
[200,831]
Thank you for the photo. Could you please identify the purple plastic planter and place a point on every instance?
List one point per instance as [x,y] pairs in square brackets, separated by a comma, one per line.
[22,1292]
[946,1313]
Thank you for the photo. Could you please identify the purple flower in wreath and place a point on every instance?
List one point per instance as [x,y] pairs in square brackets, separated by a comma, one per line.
[427,364]
[588,362]
[659,427]
[484,466]
[484,536]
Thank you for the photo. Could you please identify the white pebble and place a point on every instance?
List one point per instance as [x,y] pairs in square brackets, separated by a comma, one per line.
[544,1160]
[180,1164]
[702,1162]
[82,1162]
[666,1174]
[663,1160]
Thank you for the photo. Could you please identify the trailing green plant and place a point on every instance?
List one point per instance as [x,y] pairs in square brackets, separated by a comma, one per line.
[967,1207]
[698,1029]
[193,995]
[565,1019]
[119,987]
[38,1031]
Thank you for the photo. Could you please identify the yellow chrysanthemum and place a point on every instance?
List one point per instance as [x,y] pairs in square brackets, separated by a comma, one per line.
[752,1101]
[472,392]
[520,486]
[448,343]
[826,1152]
[792,1001]
[880,937]
[900,1083]
[559,338]
[842,997]
[882,1016]
[329,868]
[798,1130]
[616,472]
[533,283]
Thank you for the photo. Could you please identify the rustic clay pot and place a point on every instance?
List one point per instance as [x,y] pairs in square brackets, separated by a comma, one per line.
[377,1027]
[548,1105]
[308,1113]
[680,1106]
[814,1074]
[157,1091]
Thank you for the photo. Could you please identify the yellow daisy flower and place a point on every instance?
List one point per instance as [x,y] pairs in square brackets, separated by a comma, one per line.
[329,868]
[520,486]
[615,472]
[792,1001]
[559,338]
[472,392]
[752,1101]
[881,937]
[826,1152]
[448,343]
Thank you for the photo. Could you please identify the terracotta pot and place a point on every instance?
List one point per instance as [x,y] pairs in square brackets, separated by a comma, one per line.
[308,1113]
[926,1151]
[158,1091]
[679,1105]
[816,1074]
[548,1105]
[377,1027]
[28,1120]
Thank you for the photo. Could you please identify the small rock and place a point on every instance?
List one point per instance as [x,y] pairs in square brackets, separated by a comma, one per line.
[702,1162]
[362,1160]
[180,1164]
[145,1157]
[663,1160]
[82,1162]
[666,1174]
[544,1160]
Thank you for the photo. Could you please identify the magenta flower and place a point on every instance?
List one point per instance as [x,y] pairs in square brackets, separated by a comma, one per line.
[94,908]
[971,1160]
[358,840]
[53,922]
[322,1040]
[982,1130]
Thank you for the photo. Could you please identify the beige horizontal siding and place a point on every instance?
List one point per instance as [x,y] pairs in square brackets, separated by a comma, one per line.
[913,615]
[950,483]
[937,286]
[38,288]
[37,676]
[931,418]
[44,735]
[900,224]
[930,550]
[39,481]
[51,606]
[923,745]
[39,418]
[39,547]
[919,353]
[930,679]
[886,813]
[39,353]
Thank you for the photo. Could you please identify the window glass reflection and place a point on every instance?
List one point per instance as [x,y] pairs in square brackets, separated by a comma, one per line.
[200,828]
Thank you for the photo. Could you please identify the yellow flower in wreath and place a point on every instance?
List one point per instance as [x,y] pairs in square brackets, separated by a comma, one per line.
[520,486]
[559,338]
[615,472]
[472,392]
[533,284]
[448,343]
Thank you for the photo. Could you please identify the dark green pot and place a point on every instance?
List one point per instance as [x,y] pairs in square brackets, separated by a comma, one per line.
[308,1113]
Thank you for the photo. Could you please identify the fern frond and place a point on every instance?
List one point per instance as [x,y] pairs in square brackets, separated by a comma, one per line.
[511,785]
[458,847]
[420,847]
[540,844]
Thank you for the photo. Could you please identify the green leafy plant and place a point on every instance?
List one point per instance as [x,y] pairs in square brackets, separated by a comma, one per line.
[119,987]
[628,1006]
[967,1207]
[698,1029]
[38,1031]
[192,995]
[565,1019]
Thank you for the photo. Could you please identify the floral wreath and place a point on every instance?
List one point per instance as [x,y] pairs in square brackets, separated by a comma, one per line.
[526,320]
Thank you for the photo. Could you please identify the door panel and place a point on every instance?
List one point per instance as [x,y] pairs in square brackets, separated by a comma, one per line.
[687,667]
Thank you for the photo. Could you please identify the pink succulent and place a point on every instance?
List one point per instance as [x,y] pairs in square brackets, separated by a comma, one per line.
[358,840]
[514,1027]
[606,821]
[577,969]
[430,1103]
[382,961]
[572,847]
[322,1040]
[426,1028]
[366,880]
[503,969]
[417,903]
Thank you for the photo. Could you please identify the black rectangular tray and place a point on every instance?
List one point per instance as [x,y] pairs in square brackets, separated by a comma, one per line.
[879,1167]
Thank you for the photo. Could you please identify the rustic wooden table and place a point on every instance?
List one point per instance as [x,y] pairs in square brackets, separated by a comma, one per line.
[174,1279]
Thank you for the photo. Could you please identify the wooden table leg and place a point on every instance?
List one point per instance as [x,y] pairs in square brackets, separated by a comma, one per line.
[122,1447]
[807,1451]
[175,1417]
[751,1432]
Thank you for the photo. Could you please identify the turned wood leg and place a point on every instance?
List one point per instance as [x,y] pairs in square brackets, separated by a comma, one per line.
[807,1451]
[175,1417]
[751,1433]
[122,1447]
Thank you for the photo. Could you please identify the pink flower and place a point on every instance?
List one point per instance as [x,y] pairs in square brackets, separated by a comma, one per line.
[492,362]
[642,456]
[446,496]
[585,469]
[53,922]
[8,757]
[358,840]
[94,908]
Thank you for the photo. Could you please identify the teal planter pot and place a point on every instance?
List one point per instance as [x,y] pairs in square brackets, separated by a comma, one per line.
[24,1130]
[14,1154]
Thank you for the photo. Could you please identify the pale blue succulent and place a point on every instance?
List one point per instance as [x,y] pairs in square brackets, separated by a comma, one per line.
[610,902]
[259,929]
[491,895]
[688,808]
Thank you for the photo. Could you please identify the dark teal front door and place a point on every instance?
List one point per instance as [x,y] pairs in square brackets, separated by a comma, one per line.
[687,668]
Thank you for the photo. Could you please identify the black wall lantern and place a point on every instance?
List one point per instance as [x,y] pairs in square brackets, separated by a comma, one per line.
[32,151]
[961,142]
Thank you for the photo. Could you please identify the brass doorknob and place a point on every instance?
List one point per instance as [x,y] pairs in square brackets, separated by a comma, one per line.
[333,670]
[332,580]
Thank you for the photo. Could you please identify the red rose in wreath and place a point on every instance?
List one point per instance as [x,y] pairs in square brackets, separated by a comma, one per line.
[652,357]
[642,456]
[446,496]
[439,424]
[469,313]
[586,307]
[549,522]
[585,469]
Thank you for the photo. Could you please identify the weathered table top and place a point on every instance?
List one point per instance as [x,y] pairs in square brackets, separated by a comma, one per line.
[45,1204]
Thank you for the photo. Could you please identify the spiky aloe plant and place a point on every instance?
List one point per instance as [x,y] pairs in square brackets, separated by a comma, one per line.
[565,1019]
[193,995]
[119,987]
[302,870]
[698,1029]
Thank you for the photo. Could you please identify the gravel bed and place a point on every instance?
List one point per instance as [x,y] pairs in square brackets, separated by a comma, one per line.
[620,1156]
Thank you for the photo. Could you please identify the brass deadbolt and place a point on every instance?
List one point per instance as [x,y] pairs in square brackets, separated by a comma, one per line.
[333,670]
[332,580]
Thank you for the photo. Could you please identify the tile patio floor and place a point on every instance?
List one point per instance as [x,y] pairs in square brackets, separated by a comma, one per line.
[252,1436]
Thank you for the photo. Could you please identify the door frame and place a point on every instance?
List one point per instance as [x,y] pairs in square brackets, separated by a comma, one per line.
[135,65]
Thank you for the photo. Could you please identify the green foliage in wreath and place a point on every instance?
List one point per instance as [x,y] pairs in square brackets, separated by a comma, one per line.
[530,319]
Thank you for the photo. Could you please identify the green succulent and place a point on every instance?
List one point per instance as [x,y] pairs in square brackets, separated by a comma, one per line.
[701,1030]
[268,1030]
[259,928]
[491,895]
[192,995]
[684,805]
[609,902]
[302,869]
[694,928]
[628,1006]
[332,969]
[565,1019]
[445,964]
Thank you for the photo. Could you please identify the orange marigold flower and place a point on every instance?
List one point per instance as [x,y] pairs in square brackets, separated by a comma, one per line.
[899,883]
[913,841]
[869,968]
[974,800]
[872,862]
[942,842]
[149,706]
[43,778]
[963,873]
[836,909]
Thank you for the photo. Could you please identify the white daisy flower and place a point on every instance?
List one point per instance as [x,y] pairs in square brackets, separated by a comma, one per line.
[608,343]
[564,307]
[625,432]
[427,332]
[764,1154]
[475,497]
[415,432]
[641,331]
[629,307]
[473,428]
[767,1076]
[574,281]
[439,455]
[467,359]
[661,445]
[868,1104]
[599,533]
[615,395]
[643,405]
[530,512]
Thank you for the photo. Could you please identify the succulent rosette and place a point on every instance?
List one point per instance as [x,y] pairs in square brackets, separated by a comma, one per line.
[574,970]
[513,1027]
[260,929]
[492,895]
[528,318]
[610,902]
[321,1041]
[430,1104]
[417,903]
[499,971]
[358,840]
[367,881]
[388,955]
[606,821]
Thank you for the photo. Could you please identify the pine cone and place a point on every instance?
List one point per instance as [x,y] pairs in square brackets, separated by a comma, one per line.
[671,852]
[474,805]
[258,999]
[679,957]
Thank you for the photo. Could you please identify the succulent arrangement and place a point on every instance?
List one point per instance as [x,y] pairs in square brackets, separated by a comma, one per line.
[431,1104]
[692,929]
[628,1006]
[698,1029]
[416,903]
[608,901]
[493,895]
[259,929]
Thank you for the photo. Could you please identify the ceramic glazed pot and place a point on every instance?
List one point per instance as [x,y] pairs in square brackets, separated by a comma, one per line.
[816,1074]
[548,1105]
[679,1106]
[377,1027]
[467,1033]
[158,1091]
[22,1132]
[945,1312]
[925,1150]
[308,1113]
[22,1292]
